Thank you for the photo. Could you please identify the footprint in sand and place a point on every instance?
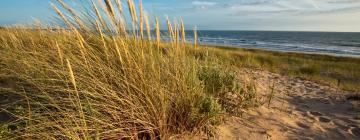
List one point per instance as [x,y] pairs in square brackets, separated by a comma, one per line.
[302,125]
[324,119]
[320,116]
[315,113]
[305,106]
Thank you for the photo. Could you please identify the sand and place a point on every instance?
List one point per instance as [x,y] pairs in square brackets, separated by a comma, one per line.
[300,109]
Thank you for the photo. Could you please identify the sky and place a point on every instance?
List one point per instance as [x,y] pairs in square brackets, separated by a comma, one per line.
[279,15]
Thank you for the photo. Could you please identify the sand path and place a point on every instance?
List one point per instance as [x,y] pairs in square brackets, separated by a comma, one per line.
[300,109]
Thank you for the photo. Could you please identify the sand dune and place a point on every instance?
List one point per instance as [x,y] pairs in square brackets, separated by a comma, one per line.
[300,109]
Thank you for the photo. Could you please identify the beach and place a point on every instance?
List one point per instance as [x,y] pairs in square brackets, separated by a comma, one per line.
[294,106]
[300,109]
[121,70]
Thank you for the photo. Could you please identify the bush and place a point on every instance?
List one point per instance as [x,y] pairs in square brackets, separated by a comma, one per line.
[231,96]
[216,80]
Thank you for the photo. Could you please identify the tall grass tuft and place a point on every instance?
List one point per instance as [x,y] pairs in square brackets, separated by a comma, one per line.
[147,25]
[157,33]
[170,29]
[141,18]
[183,34]
[195,37]
[73,14]
[176,34]
[90,80]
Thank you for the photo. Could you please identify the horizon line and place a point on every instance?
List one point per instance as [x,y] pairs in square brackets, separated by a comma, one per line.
[239,30]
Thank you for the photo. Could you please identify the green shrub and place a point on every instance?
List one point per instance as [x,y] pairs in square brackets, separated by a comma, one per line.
[230,95]
[216,80]
[209,106]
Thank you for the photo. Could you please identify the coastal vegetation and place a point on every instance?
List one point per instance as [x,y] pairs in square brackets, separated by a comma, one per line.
[99,78]
[336,71]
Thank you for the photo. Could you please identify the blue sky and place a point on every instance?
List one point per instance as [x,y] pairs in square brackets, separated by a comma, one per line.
[304,15]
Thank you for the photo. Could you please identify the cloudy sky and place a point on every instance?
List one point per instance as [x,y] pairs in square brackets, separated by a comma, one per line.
[298,15]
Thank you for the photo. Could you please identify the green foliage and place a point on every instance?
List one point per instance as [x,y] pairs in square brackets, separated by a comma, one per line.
[249,96]
[4,131]
[231,96]
[216,80]
[208,106]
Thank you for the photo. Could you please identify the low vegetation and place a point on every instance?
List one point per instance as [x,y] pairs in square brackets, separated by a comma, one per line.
[342,72]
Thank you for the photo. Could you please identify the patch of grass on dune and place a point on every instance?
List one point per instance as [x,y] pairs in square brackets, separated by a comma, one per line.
[335,71]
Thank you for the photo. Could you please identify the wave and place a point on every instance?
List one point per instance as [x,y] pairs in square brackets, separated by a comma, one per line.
[340,48]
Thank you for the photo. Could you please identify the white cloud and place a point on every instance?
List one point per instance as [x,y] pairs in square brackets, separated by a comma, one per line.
[323,15]
[203,4]
[297,6]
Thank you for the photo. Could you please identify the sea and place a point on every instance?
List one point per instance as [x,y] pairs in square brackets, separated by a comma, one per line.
[331,43]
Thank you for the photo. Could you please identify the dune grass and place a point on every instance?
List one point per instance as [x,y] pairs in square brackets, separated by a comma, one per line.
[98,79]
[336,71]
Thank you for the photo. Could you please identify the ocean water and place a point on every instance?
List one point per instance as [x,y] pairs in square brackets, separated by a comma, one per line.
[332,43]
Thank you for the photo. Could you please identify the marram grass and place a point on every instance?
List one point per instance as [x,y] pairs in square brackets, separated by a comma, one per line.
[94,80]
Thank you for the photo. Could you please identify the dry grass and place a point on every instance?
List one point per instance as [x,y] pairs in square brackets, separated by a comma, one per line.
[195,37]
[92,80]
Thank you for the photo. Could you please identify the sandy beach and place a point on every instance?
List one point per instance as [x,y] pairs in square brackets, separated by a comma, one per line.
[301,109]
